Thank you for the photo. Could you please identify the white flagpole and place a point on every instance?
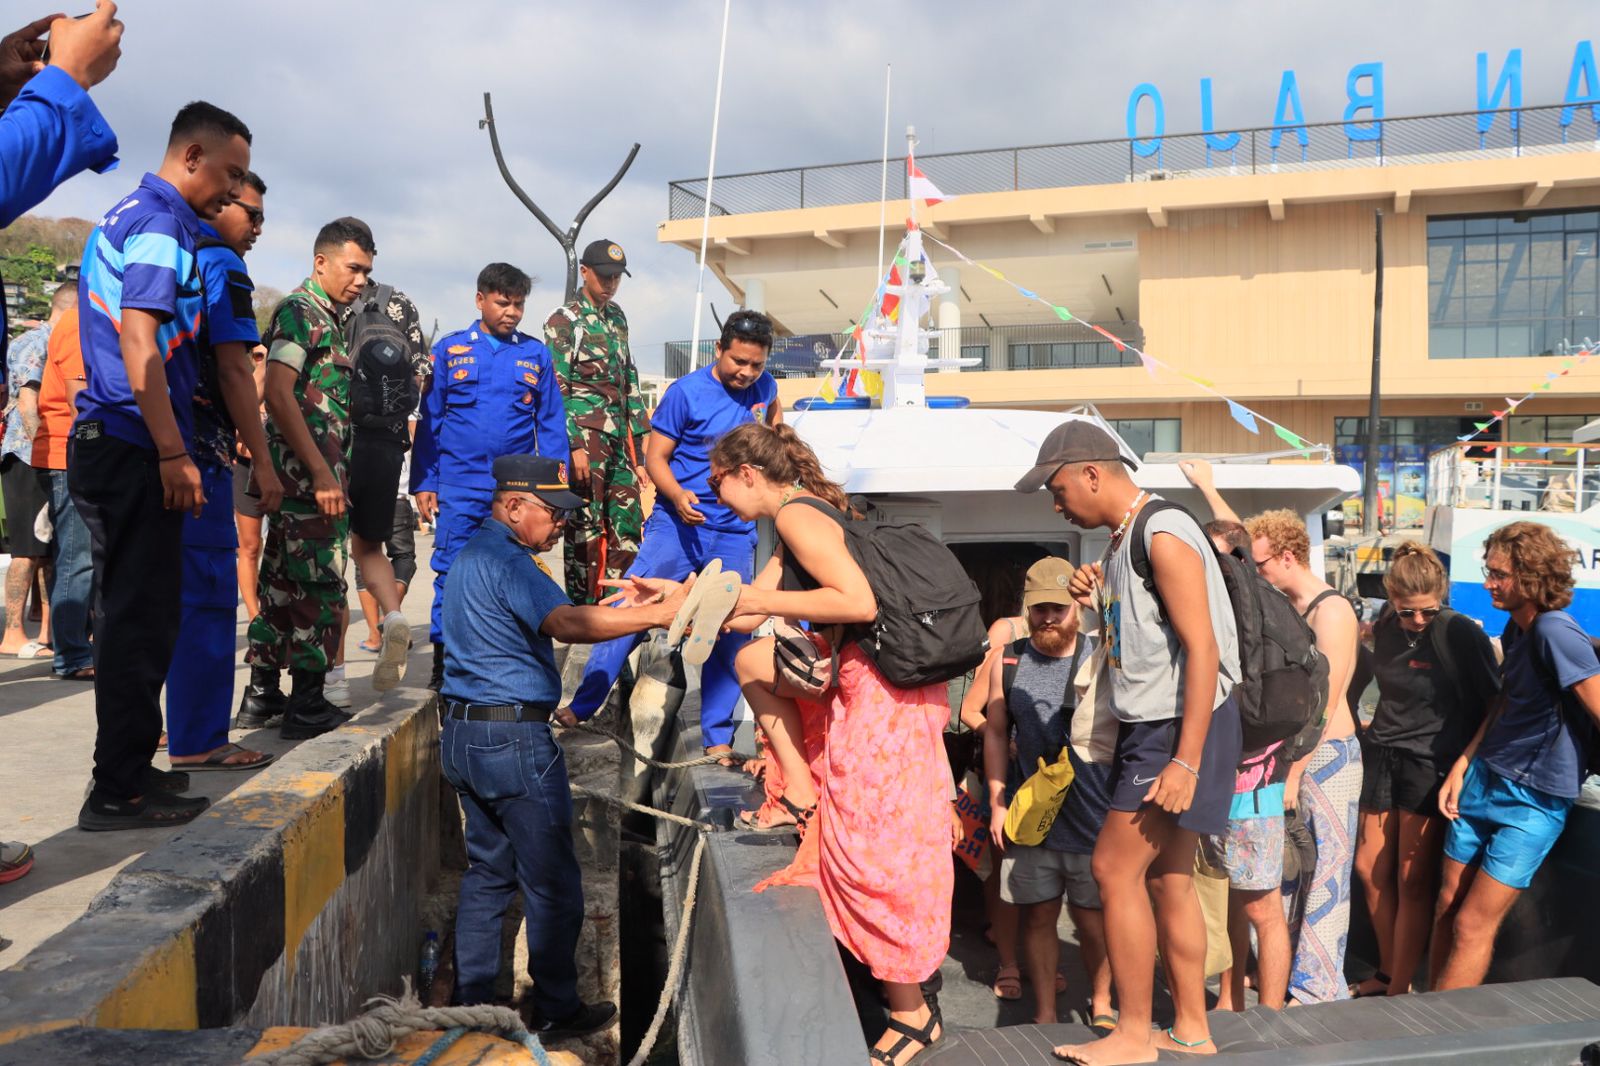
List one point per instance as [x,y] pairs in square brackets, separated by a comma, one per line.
[883,190]
[711,166]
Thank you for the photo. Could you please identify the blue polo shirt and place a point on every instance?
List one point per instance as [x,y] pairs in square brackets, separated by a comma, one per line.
[141,255]
[495,599]
[694,411]
[1539,740]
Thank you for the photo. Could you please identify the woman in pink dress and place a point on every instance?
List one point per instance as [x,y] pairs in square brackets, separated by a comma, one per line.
[873,800]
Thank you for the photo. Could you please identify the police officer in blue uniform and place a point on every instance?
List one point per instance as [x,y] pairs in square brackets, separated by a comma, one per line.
[494,393]
[501,611]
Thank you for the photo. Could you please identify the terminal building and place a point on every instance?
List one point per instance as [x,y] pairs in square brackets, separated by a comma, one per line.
[1252,267]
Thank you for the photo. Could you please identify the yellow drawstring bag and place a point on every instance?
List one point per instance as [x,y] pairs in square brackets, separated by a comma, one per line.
[1033,809]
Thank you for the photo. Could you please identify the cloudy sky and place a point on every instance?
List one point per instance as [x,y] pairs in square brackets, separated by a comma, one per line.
[373,110]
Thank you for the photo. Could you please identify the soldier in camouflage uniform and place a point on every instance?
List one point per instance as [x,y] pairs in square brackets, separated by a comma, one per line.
[606,424]
[308,439]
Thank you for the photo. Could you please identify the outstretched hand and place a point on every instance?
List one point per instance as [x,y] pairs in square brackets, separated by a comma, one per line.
[642,591]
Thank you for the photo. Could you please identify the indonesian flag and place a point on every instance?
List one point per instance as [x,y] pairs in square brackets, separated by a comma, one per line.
[918,187]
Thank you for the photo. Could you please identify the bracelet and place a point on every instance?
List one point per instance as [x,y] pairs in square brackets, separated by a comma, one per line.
[1186,766]
[169,458]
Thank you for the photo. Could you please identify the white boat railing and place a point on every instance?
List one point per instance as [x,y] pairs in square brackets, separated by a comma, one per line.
[1516,476]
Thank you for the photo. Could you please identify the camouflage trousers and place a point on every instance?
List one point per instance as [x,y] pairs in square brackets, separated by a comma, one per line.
[302,590]
[602,537]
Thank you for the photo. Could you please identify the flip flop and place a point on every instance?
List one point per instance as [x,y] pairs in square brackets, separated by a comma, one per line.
[217,760]
[1104,1023]
[35,650]
[710,601]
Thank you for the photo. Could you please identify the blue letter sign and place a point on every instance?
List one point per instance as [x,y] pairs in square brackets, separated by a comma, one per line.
[1372,101]
[1583,71]
[1153,145]
[1288,106]
[1509,81]
[1226,143]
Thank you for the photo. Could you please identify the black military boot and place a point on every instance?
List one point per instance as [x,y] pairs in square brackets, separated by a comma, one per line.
[263,700]
[436,681]
[309,714]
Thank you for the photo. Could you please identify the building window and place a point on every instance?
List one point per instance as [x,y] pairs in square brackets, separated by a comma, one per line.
[1146,435]
[1502,286]
[1404,445]
[1068,354]
[1540,428]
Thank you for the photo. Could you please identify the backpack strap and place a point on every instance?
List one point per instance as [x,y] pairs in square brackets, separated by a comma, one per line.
[1318,598]
[822,505]
[1439,637]
[1139,555]
[1009,661]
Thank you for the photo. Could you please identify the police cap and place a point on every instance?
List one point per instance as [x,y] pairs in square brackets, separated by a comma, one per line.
[605,258]
[535,474]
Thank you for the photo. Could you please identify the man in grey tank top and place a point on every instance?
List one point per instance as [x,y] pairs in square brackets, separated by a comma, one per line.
[1170,667]
[1041,703]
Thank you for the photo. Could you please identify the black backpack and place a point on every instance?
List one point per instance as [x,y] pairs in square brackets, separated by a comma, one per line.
[383,386]
[1283,688]
[928,629]
[208,357]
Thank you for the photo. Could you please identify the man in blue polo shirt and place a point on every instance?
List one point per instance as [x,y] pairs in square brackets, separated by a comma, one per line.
[494,392]
[129,461]
[200,682]
[1508,795]
[690,525]
[501,611]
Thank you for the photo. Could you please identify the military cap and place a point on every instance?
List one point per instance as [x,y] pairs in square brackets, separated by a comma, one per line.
[605,258]
[536,474]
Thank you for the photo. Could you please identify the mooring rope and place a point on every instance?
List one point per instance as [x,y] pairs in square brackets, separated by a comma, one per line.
[373,1034]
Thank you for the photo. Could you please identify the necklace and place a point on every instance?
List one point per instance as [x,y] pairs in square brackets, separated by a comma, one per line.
[1127,516]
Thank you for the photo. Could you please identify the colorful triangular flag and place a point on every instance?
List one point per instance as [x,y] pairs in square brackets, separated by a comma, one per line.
[919,187]
[1243,416]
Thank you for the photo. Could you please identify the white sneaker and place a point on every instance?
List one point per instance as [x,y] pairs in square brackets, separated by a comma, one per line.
[396,644]
[335,689]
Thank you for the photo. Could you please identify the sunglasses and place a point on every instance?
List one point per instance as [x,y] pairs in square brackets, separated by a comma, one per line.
[558,514]
[254,214]
[714,482]
[1418,612]
[750,324]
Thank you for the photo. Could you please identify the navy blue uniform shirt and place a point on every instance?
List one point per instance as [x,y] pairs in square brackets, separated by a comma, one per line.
[694,411]
[495,599]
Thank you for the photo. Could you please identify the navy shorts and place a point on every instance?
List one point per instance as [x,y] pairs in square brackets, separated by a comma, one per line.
[1145,748]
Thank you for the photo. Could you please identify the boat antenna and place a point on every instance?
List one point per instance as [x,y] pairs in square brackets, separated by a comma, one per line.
[883,188]
[711,166]
[568,238]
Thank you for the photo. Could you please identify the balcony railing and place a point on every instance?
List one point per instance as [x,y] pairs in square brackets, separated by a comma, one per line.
[1409,140]
[1061,345]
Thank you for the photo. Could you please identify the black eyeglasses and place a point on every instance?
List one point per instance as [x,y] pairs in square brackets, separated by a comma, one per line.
[557,514]
[254,214]
[1418,612]
[1261,564]
[750,323]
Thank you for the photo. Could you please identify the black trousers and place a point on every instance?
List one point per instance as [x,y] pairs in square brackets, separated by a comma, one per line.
[137,548]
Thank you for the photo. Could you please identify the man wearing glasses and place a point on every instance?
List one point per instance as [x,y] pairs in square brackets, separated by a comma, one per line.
[690,526]
[606,422]
[1508,795]
[501,611]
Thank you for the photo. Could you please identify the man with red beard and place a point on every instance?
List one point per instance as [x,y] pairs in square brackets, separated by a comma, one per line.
[1036,691]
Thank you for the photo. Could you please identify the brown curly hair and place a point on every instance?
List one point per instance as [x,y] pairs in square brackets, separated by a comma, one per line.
[1414,570]
[1541,562]
[782,457]
[1284,531]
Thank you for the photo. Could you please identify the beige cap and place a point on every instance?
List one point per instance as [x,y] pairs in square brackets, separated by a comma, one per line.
[1047,582]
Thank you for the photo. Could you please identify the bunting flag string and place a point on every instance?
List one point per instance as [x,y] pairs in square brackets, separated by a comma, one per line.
[1245,416]
[1573,358]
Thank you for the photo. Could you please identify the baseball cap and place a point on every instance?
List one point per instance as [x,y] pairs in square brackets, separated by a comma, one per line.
[543,477]
[1046,582]
[1077,441]
[605,258]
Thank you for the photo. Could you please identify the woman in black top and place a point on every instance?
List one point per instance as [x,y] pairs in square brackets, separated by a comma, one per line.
[1436,675]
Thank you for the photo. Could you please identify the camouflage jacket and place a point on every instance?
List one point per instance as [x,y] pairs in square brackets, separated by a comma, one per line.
[305,335]
[593,377]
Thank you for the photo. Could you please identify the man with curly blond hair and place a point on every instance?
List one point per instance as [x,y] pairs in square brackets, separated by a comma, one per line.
[1325,786]
[1508,794]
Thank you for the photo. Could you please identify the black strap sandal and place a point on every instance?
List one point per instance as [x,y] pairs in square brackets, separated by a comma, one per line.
[908,1036]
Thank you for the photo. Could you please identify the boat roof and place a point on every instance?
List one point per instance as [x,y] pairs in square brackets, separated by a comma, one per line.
[923,451]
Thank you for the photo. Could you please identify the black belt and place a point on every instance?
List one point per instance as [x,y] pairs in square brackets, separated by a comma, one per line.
[503,712]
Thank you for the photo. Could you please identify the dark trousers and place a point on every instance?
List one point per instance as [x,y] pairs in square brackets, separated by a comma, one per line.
[512,779]
[137,548]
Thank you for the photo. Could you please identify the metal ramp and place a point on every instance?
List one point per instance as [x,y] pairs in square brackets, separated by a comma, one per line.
[1529,1023]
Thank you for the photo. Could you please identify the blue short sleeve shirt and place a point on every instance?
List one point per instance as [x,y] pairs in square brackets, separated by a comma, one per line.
[141,255]
[230,318]
[1538,741]
[694,411]
[495,599]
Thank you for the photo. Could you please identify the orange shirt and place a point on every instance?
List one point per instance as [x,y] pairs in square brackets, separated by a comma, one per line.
[64,363]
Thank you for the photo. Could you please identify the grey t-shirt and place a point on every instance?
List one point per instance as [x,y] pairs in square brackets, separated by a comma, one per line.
[1042,730]
[1143,670]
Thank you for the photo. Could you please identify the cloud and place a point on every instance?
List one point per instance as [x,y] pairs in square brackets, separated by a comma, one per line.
[374,111]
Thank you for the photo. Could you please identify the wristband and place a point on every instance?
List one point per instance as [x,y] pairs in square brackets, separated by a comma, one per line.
[169,458]
[1186,766]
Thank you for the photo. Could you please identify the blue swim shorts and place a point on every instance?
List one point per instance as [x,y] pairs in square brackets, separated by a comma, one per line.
[1507,827]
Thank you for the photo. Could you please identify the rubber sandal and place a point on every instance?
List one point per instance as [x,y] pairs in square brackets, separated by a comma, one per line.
[217,760]
[698,622]
[751,821]
[1007,983]
[1103,1023]
[35,650]
[373,648]
[83,673]
[908,1036]
[1379,975]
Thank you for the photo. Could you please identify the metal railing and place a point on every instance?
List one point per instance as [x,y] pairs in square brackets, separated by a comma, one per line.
[1439,138]
[1041,346]
[1511,476]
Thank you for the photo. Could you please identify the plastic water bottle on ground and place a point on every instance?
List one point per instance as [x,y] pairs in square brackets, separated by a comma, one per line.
[429,966]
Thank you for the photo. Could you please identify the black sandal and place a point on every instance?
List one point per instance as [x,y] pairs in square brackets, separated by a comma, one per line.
[909,1036]
[1378,975]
